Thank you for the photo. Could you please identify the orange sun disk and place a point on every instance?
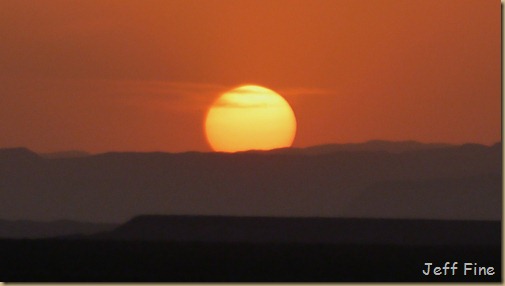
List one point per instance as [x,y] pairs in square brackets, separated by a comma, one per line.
[250,117]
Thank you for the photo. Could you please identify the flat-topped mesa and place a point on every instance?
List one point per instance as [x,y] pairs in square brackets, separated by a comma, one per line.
[307,230]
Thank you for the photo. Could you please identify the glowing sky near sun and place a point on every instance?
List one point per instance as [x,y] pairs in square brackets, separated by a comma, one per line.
[140,75]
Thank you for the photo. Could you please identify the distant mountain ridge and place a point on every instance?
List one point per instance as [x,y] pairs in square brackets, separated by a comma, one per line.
[370,146]
[306,230]
[19,153]
[65,154]
[461,182]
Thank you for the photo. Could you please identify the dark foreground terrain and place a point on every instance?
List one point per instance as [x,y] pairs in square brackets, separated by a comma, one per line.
[87,260]
[214,248]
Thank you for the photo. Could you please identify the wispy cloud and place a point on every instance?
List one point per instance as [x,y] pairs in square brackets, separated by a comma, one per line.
[168,95]
[234,104]
[190,96]
[150,94]
[169,88]
[304,91]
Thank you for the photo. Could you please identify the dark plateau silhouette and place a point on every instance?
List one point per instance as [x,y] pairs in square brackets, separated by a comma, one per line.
[37,229]
[305,230]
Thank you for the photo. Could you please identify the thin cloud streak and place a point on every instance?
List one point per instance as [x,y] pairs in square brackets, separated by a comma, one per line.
[305,91]
[231,104]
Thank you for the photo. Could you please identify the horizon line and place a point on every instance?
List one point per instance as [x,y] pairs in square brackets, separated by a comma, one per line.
[88,153]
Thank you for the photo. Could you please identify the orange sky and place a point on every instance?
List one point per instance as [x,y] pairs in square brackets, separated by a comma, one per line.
[139,75]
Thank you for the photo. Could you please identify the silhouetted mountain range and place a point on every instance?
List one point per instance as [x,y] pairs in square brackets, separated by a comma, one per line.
[306,230]
[65,154]
[17,155]
[411,181]
[369,146]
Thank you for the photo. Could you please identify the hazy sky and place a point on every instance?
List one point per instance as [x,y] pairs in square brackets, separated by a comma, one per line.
[139,75]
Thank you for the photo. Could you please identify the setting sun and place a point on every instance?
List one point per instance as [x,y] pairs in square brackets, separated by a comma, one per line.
[250,117]
[242,141]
